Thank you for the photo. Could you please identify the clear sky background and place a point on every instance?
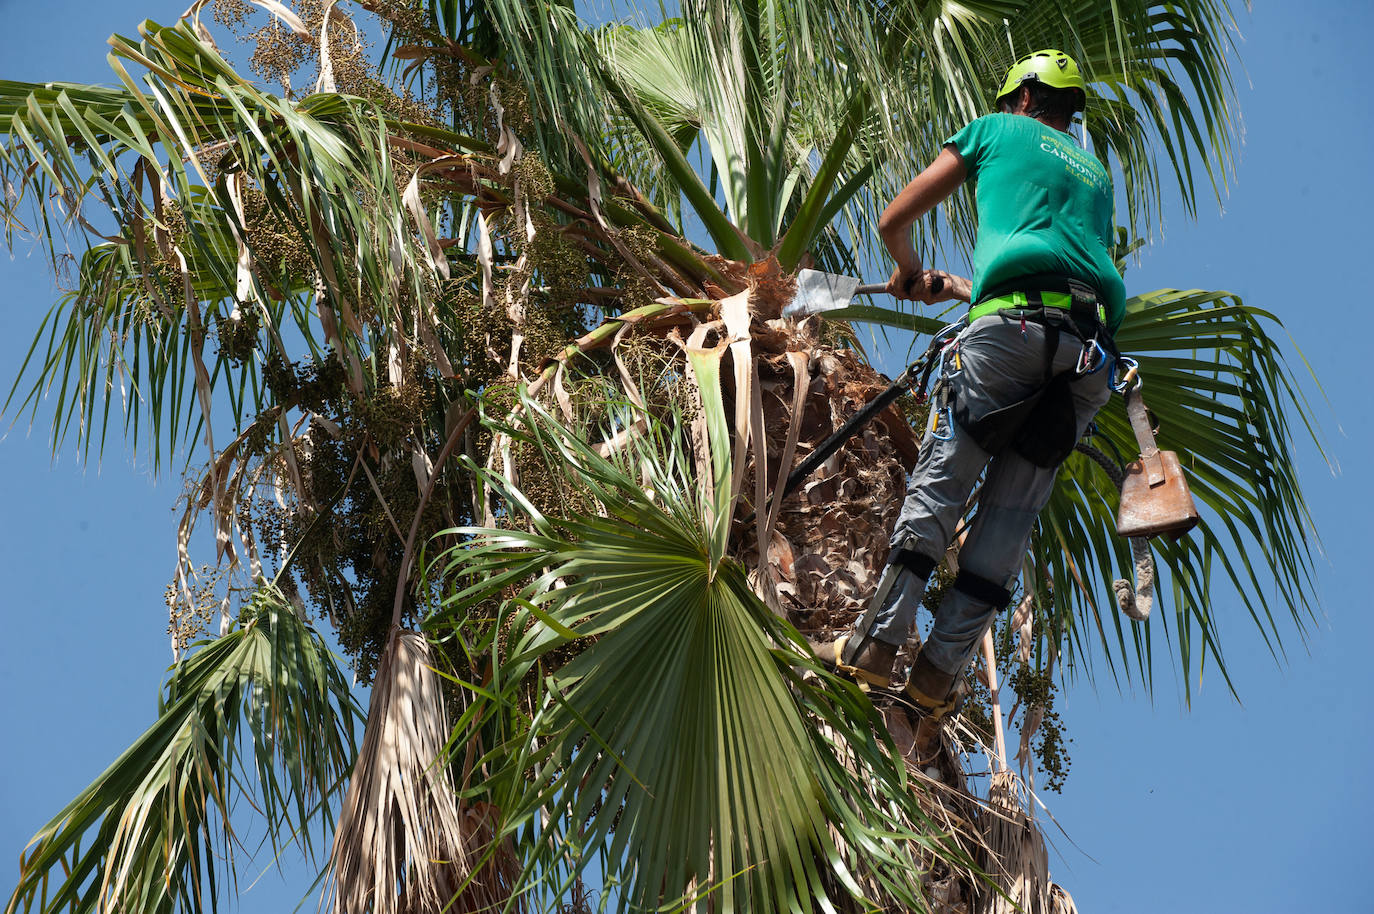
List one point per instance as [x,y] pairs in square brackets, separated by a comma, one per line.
[1256,806]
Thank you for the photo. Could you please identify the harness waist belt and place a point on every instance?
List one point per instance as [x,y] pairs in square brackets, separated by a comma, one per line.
[1042,290]
[1034,301]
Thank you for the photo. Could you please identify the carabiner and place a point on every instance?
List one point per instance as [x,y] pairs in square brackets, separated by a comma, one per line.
[948,415]
[1092,355]
[1132,374]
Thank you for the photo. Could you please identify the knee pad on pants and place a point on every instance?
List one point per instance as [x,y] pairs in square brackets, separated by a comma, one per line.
[913,561]
[981,590]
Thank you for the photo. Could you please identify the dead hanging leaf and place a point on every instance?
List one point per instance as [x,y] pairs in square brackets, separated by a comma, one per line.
[627,381]
[515,300]
[422,465]
[1016,858]
[616,442]
[594,197]
[327,278]
[798,360]
[1021,623]
[560,394]
[289,456]
[1035,716]
[742,363]
[331,428]
[345,355]
[326,81]
[507,145]
[427,322]
[434,251]
[250,545]
[1061,902]
[243,285]
[485,255]
[400,825]
[142,168]
[223,544]
[413,52]
[734,312]
[700,357]
[756,430]
[395,371]
[183,584]
[204,35]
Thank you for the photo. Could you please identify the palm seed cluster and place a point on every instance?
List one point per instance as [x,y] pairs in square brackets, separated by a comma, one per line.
[189,615]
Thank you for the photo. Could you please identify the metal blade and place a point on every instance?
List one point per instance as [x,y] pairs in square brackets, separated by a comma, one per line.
[817,292]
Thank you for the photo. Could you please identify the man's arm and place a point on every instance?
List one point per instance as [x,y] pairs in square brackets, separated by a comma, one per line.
[926,191]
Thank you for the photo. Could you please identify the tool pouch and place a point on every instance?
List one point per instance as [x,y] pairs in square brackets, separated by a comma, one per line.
[1154,498]
[1049,433]
[1043,427]
[994,431]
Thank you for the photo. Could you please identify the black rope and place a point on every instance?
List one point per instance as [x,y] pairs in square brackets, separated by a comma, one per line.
[1112,468]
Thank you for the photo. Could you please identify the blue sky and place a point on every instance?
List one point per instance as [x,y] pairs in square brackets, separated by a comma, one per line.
[1255,806]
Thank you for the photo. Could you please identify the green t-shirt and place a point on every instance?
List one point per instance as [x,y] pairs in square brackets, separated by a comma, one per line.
[1044,206]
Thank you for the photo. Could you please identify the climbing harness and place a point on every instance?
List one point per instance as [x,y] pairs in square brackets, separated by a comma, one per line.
[1042,427]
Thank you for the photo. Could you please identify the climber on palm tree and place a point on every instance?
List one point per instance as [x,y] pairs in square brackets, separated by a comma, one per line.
[1020,382]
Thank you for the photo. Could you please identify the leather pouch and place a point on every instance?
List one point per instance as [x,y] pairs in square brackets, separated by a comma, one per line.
[1155,499]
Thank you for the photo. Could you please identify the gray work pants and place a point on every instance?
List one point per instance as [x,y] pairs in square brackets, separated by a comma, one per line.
[1000,363]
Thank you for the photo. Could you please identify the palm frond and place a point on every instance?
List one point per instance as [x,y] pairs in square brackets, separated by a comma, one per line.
[885,84]
[1217,384]
[264,705]
[402,841]
[678,749]
[166,157]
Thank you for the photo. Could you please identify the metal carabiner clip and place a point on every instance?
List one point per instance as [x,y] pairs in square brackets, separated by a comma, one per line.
[1132,374]
[1091,359]
[947,414]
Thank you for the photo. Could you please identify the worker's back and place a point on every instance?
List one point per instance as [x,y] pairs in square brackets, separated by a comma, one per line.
[1044,207]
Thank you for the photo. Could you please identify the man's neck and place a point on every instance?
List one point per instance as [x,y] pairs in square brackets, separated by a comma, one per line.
[1061,125]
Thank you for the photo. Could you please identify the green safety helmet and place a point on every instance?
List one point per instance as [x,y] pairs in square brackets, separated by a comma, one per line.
[1052,67]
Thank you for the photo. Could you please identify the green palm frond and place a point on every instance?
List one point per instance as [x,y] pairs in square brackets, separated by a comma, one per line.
[681,749]
[167,158]
[1217,384]
[264,706]
[789,100]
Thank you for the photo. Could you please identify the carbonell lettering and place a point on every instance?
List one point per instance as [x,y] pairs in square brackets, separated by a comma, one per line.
[1060,154]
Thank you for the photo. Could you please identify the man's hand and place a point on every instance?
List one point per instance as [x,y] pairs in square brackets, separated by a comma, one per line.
[928,286]
[908,284]
[944,286]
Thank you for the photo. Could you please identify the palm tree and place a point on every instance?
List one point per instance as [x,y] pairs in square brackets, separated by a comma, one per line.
[388,272]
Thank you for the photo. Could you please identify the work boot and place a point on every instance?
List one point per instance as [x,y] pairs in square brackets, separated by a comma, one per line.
[871,665]
[934,695]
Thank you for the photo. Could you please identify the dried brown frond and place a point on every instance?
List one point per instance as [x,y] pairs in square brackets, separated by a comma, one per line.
[1015,856]
[403,843]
